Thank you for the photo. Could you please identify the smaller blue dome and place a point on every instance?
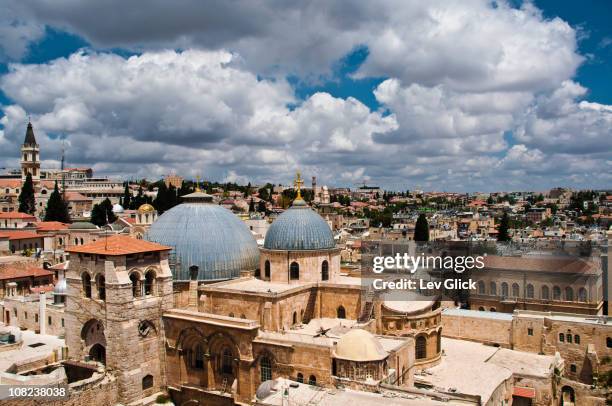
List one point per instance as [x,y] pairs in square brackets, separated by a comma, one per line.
[299,228]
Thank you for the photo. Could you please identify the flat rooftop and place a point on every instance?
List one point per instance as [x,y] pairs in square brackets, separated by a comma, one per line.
[303,394]
[478,314]
[25,353]
[566,317]
[477,369]
[464,369]
[324,332]
[252,285]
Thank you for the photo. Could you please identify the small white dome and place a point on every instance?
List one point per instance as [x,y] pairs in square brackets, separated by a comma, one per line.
[360,345]
[117,208]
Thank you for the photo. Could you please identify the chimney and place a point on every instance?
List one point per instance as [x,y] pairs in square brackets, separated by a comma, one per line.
[42,313]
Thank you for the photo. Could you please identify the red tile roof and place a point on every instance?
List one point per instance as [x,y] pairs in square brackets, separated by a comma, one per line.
[41,289]
[77,197]
[17,215]
[50,226]
[17,273]
[19,235]
[118,245]
[524,392]
[12,183]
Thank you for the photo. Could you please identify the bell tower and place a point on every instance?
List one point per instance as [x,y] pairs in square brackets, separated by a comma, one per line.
[30,158]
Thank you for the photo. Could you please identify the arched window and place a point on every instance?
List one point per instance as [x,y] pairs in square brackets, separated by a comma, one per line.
[300,377]
[556,293]
[267,270]
[576,339]
[231,314]
[493,289]
[312,380]
[135,283]
[545,292]
[227,361]
[198,357]
[147,382]
[420,348]
[341,312]
[149,283]
[569,294]
[81,241]
[492,309]
[481,288]
[482,309]
[76,241]
[265,367]
[101,285]
[325,271]
[515,290]
[294,271]
[582,295]
[504,291]
[529,292]
[561,337]
[86,284]
[568,338]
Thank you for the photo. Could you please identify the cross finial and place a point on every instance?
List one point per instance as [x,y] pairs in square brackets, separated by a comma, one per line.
[298,185]
[197,188]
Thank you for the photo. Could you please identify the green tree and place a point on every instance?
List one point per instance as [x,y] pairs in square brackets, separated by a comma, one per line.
[127,196]
[502,232]
[251,206]
[421,229]
[27,203]
[102,213]
[261,206]
[57,209]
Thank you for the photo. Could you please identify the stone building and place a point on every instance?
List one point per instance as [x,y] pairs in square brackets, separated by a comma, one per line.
[210,321]
[118,289]
[542,283]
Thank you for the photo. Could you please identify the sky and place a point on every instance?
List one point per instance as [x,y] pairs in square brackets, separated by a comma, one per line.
[449,95]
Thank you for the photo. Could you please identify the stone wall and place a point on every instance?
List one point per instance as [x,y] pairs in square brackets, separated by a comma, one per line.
[487,331]
[100,390]
[25,314]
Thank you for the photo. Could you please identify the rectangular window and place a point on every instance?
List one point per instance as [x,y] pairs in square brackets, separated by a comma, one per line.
[62,322]
[49,320]
[529,331]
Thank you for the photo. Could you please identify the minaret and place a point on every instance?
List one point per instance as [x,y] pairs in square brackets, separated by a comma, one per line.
[30,162]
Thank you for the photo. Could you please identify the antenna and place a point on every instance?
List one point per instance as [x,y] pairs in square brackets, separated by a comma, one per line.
[105,230]
[62,169]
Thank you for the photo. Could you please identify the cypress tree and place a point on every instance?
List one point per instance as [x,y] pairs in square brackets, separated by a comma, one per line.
[57,209]
[127,196]
[261,206]
[502,232]
[102,213]
[251,206]
[27,203]
[161,202]
[421,229]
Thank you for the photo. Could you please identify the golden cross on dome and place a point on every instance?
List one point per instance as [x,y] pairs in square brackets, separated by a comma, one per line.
[298,185]
[197,188]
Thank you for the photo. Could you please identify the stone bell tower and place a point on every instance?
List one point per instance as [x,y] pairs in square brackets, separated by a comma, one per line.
[118,289]
[30,158]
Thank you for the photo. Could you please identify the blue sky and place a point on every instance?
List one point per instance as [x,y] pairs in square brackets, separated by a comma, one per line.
[345,94]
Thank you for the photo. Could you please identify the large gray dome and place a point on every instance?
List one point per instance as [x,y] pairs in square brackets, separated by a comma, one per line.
[299,228]
[205,235]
